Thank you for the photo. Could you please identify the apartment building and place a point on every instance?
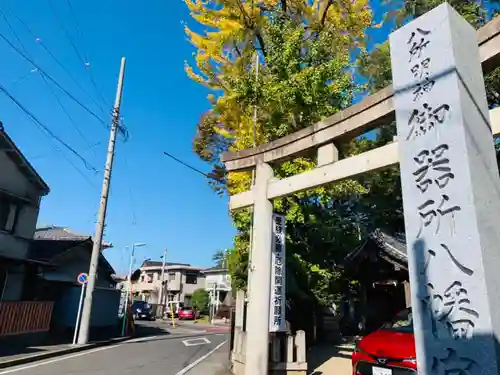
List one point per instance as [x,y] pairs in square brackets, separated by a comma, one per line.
[181,281]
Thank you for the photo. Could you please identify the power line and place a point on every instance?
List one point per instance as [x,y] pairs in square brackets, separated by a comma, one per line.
[58,62]
[44,127]
[77,23]
[83,60]
[71,120]
[52,79]
[44,155]
[47,84]
[64,156]
[186,164]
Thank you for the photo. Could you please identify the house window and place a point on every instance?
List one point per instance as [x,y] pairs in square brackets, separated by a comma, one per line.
[8,214]
[149,277]
[171,277]
[191,278]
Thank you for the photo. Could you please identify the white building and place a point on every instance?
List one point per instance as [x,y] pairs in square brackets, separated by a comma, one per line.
[218,284]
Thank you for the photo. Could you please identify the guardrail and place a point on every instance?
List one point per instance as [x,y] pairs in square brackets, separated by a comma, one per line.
[25,317]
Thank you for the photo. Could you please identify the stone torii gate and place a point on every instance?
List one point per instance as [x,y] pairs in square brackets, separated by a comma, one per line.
[451,190]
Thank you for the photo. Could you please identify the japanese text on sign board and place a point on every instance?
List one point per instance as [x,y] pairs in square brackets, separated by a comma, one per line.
[450,306]
[278,300]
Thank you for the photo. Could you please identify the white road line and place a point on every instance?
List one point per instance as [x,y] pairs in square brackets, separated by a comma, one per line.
[201,359]
[196,341]
[38,364]
[142,339]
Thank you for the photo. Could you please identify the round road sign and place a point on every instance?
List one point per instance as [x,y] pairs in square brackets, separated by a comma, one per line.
[82,278]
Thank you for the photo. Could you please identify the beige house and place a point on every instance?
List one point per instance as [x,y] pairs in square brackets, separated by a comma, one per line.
[181,280]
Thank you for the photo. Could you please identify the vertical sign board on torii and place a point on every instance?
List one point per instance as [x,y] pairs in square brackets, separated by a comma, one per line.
[277,320]
[451,192]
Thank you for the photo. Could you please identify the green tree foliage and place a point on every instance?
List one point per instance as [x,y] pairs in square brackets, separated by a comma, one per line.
[200,299]
[305,75]
[219,258]
[375,65]
[384,201]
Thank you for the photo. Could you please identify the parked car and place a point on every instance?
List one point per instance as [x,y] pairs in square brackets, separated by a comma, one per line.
[142,310]
[188,313]
[175,307]
[389,350]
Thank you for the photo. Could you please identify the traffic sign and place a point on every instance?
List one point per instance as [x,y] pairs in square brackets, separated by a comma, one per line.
[82,278]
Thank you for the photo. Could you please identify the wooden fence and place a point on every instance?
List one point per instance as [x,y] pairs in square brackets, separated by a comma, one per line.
[25,317]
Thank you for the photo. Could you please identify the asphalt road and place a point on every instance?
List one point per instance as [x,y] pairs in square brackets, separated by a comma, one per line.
[155,355]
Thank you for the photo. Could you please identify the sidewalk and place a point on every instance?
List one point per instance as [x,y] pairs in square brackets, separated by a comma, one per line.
[330,359]
[216,363]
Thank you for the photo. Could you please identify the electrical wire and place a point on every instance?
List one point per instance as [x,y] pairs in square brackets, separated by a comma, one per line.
[47,130]
[44,155]
[186,164]
[83,60]
[47,84]
[71,120]
[88,110]
[58,62]
[78,27]
[64,155]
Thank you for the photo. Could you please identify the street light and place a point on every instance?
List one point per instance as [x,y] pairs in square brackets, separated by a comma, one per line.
[129,289]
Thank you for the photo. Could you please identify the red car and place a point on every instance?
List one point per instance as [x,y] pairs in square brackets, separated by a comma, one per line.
[388,351]
[188,314]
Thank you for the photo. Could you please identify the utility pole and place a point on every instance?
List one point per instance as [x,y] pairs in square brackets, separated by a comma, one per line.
[83,336]
[162,288]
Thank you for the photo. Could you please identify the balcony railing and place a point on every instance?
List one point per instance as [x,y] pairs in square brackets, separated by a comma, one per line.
[25,317]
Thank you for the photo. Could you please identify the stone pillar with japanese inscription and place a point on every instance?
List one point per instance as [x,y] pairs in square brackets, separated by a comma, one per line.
[451,193]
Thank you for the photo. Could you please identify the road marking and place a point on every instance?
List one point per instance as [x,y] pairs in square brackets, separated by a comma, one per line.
[201,359]
[38,364]
[142,339]
[196,341]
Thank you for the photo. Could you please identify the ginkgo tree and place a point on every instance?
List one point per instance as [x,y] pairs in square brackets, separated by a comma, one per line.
[304,50]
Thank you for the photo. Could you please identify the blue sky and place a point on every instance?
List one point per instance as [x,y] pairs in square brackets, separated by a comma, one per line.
[153,199]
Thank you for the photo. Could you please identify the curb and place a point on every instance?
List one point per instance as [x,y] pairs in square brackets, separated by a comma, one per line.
[61,352]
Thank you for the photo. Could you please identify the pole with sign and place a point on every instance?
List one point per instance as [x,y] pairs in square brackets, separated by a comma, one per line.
[277,322]
[82,280]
